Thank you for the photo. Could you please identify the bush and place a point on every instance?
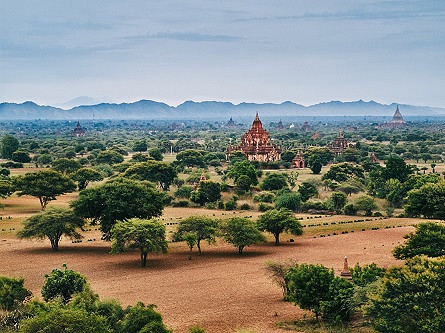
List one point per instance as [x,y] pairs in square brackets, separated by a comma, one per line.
[262,207]
[180,203]
[365,275]
[184,192]
[314,205]
[289,201]
[245,206]
[12,165]
[264,196]
[12,293]
[230,205]
[350,209]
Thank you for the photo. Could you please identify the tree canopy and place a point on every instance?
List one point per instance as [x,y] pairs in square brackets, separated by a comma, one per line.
[155,171]
[428,200]
[278,221]
[205,228]
[148,236]
[8,145]
[242,232]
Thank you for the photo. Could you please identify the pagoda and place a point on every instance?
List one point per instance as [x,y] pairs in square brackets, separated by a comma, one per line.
[280,126]
[78,130]
[230,123]
[397,119]
[340,143]
[256,145]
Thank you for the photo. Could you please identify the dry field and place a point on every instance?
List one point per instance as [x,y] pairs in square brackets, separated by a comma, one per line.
[220,290]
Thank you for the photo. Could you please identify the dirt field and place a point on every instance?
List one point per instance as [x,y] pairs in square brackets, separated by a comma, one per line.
[221,291]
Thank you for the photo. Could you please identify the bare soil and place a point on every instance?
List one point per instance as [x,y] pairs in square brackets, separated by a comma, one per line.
[220,290]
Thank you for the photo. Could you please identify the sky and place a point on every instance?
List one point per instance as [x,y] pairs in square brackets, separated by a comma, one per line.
[254,51]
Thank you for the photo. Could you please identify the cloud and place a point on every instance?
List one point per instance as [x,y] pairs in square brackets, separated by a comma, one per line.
[187,37]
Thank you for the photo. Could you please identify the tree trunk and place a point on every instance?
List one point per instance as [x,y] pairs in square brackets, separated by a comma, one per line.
[42,203]
[240,249]
[198,245]
[277,239]
[190,253]
[55,244]
[143,259]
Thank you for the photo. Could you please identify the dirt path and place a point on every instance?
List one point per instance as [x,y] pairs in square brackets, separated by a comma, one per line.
[220,290]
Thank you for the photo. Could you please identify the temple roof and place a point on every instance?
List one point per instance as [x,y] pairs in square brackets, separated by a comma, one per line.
[397,118]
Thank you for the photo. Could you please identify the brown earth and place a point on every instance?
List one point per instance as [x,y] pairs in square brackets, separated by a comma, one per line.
[220,290]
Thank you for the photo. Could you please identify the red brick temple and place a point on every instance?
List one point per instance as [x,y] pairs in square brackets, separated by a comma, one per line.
[78,130]
[256,145]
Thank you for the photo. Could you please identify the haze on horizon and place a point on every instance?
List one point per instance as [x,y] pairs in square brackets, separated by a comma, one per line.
[253,51]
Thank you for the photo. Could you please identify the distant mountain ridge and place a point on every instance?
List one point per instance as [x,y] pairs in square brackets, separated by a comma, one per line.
[148,109]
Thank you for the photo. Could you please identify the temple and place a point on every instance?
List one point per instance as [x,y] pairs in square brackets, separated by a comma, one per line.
[256,145]
[78,130]
[298,160]
[340,143]
[231,123]
[397,120]
[280,126]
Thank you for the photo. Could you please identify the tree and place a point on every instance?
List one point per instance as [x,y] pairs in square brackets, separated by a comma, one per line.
[278,221]
[428,200]
[6,187]
[365,275]
[315,164]
[190,238]
[433,166]
[66,166]
[45,185]
[44,159]
[428,239]
[410,298]
[21,156]
[118,200]
[240,168]
[338,201]
[208,191]
[109,157]
[146,235]
[343,171]
[242,232]
[204,228]
[316,288]
[84,176]
[350,155]
[140,145]
[396,168]
[143,319]
[307,190]
[52,223]
[191,158]
[366,204]
[159,172]
[63,283]
[156,154]
[243,184]
[274,181]
[59,319]
[350,186]
[12,293]
[8,146]
[290,201]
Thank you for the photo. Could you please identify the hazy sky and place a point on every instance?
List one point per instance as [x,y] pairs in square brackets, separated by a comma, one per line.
[257,51]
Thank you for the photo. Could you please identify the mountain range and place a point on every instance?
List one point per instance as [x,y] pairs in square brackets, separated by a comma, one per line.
[147,109]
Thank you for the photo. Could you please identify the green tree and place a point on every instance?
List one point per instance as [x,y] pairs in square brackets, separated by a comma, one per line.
[159,172]
[243,184]
[428,200]
[279,221]
[274,181]
[45,185]
[6,187]
[350,186]
[307,190]
[396,168]
[84,176]
[191,158]
[428,239]
[146,235]
[156,154]
[288,156]
[66,166]
[140,145]
[21,156]
[52,223]
[316,288]
[12,293]
[204,228]
[190,238]
[240,168]
[290,201]
[208,191]
[410,298]
[315,164]
[365,203]
[242,232]
[8,146]
[143,319]
[44,159]
[118,200]
[343,171]
[63,283]
[338,200]
[62,320]
[365,275]
[109,157]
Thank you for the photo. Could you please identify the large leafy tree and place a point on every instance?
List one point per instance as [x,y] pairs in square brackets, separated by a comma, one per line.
[8,146]
[274,181]
[6,187]
[242,232]
[45,185]
[396,168]
[21,156]
[240,168]
[205,228]
[63,283]
[208,191]
[155,171]
[148,236]
[66,165]
[84,176]
[52,223]
[279,221]
[428,200]
[307,190]
[109,157]
[338,200]
[343,171]
[119,200]
[12,293]
[143,319]
[410,298]
[316,288]
[365,203]
[191,158]
[428,239]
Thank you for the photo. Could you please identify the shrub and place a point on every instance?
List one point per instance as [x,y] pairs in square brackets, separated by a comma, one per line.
[180,203]
[289,201]
[264,196]
[262,207]
[245,206]
[350,209]
[184,192]
[230,205]
[12,293]
[364,275]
